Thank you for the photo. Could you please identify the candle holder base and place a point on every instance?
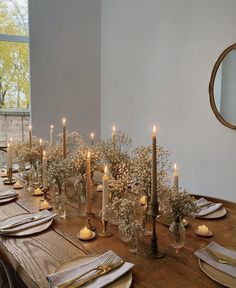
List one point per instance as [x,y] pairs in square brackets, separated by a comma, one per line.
[154,255]
[92,228]
[9,181]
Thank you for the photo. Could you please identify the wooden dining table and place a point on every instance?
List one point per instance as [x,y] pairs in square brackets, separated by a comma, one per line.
[35,257]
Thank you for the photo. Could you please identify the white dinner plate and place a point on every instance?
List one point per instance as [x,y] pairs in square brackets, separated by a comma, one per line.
[9,199]
[122,282]
[216,214]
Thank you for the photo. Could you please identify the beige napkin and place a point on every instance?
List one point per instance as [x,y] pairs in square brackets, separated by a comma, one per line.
[226,268]
[64,276]
[205,210]
[45,217]
[7,194]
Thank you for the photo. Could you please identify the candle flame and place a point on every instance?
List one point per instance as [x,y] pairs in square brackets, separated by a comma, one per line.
[44,153]
[113,128]
[154,129]
[8,145]
[105,169]
[175,166]
[30,127]
[52,126]
[88,154]
[64,121]
[92,135]
[11,139]
[40,141]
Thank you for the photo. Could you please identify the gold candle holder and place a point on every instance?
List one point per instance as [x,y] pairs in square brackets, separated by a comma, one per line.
[9,180]
[89,225]
[104,232]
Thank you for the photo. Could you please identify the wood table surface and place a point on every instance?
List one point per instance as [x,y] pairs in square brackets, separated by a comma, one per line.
[36,256]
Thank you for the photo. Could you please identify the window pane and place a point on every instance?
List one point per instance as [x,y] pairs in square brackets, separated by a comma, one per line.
[14,75]
[14,17]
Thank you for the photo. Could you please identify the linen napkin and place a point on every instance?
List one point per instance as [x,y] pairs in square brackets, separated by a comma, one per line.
[44,215]
[64,276]
[205,210]
[226,268]
[7,194]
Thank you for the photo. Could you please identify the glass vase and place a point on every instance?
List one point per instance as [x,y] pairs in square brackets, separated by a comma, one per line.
[60,201]
[62,210]
[177,234]
[133,244]
[80,195]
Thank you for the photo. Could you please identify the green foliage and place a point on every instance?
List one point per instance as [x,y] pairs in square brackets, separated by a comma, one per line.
[14,56]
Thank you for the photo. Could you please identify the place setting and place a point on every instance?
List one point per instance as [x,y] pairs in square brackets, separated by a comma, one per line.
[7,196]
[219,263]
[26,224]
[209,210]
[93,271]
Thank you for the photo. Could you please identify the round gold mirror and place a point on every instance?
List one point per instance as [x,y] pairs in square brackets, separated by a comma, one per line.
[222,87]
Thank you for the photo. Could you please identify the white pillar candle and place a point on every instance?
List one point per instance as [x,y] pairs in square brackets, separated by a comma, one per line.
[143,200]
[51,135]
[44,205]
[202,230]
[85,233]
[105,189]
[45,179]
[176,177]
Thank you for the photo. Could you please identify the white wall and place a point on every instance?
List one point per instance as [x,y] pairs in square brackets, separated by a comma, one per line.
[157,58]
[65,64]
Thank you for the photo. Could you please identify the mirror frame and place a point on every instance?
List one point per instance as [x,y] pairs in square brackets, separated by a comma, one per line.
[212,83]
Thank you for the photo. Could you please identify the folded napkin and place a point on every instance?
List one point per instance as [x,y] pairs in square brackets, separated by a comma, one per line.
[226,268]
[64,276]
[205,210]
[27,221]
[7,194]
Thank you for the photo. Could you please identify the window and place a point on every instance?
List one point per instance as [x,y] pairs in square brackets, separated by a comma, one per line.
[14,70]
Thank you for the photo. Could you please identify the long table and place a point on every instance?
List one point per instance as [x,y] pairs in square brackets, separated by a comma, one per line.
[37,256]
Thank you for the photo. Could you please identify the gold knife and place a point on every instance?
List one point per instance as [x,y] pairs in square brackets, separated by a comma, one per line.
[223,256]
[98,274]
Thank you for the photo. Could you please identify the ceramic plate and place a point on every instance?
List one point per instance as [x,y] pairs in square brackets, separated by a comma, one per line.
[92,235]
[122,282]
[30,230]
[217,275]
[216,214]
[6,200]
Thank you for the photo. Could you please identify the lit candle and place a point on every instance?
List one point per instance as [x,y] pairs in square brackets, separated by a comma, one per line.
[41,150]
[113,133]
[44,205]
[85,233]
[176,178]
[105,188]
[92,138]
[143,200]
[51,135]
[88,185]
[45,179]
[202,230]
[154,204]
[30,136]
[38,191]
[64,136]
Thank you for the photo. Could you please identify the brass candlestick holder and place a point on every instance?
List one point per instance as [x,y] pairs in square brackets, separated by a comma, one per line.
[45,196]
[9,180]
[104,232]
[154,252]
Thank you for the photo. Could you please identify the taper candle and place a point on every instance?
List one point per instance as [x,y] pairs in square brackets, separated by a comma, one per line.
[45,179]
[154,206]
[30,136]
[64,136]
[51,135]
[92,138]
[105,188]
[41,150]
[88,185]
[176,177]
[113,133]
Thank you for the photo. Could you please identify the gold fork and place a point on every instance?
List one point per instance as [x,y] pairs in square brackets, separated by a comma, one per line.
[100,267]
[217,259]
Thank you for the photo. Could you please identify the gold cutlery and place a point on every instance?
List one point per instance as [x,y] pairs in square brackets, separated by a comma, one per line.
[100,267]
[98,274]
[220,258]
